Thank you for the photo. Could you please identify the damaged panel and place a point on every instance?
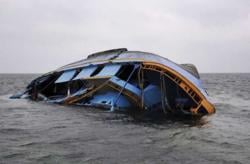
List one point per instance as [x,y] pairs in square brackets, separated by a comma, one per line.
[109,98]
[66,76]
[127,86]
[86,72]
[109,70]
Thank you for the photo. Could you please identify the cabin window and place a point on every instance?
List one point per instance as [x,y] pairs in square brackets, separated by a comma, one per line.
[66,76]
[86,72]
[109,70]
[99,68]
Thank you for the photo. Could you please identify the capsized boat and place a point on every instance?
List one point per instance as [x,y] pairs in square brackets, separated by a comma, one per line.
[124,80]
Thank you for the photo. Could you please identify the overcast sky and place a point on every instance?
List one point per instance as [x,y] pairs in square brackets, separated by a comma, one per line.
[41,35]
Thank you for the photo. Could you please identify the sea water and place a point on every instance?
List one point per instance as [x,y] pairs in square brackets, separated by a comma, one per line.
[38,132]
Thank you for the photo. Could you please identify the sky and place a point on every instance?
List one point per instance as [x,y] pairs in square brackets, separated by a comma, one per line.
[37,36]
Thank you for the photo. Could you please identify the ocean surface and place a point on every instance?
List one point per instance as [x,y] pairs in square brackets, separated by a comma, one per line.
[36,132]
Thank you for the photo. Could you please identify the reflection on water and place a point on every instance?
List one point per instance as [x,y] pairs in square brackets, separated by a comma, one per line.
[36,132]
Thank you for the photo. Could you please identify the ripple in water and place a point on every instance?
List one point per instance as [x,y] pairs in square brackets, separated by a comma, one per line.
[35,132]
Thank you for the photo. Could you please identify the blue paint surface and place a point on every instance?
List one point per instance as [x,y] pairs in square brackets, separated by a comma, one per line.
[109,98]
[152,95]
[86,72]
[66,76]
[128,86]
[109,70]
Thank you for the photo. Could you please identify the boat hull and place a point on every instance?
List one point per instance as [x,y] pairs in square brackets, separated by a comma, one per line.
[125,81]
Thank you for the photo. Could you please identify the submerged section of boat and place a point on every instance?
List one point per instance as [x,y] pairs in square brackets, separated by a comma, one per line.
[124,80]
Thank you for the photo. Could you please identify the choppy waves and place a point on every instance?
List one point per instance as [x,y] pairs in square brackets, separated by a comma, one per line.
[35,132]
